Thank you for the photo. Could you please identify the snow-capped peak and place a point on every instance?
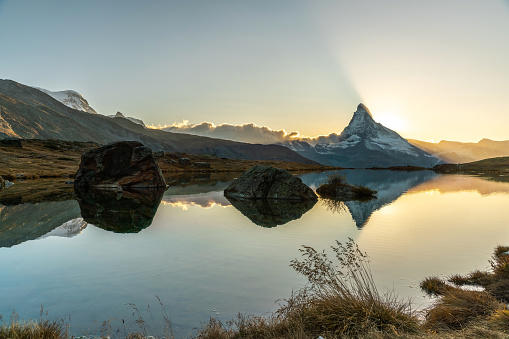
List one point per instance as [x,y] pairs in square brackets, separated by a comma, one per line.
[362,121]
[71,99]
[363,134]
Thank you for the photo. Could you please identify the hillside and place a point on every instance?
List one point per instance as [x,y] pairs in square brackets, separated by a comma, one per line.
[28,113]
[33,159]
[493,167]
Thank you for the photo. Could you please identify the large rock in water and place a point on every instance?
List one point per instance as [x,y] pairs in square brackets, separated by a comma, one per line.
[126,164]
[266,182]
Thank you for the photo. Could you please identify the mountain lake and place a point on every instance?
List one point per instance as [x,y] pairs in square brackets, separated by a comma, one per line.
[197,255]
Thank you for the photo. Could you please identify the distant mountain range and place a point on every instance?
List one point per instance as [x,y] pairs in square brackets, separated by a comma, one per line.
[462,152]
[29,113]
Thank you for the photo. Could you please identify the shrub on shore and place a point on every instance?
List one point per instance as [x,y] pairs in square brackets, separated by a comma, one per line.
[335,186]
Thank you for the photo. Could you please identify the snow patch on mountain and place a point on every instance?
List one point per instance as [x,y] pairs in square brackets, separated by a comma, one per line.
[68,229]
[121,115]
[71,99]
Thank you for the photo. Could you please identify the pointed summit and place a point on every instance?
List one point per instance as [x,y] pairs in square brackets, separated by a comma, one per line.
[361,107]
[365,143]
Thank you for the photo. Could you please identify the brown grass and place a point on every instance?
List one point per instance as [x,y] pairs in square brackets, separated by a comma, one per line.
[340,300]
[60,159]
[42,328]
[334,181]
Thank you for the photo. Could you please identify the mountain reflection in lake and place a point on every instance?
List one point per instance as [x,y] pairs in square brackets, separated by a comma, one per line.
[203,258]
[390,185]
[127,212]
[23,222]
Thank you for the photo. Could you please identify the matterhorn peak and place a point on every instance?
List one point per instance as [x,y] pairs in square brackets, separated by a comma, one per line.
[361,108]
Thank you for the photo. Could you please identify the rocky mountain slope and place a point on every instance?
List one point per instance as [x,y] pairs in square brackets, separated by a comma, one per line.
[365,143]
[28,113]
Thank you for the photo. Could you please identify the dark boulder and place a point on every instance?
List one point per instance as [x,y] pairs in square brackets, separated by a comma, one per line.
[124,164]
[266,182]
[201,164]
[185,161]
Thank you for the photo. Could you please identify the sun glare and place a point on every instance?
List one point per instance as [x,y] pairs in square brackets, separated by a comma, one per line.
[391,120]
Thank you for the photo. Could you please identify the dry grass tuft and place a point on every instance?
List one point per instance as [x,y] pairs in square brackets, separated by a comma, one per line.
[434,286]
[340,300]
[456,308]
[43,328]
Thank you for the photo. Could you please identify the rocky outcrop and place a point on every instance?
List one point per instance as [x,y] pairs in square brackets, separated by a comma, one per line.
[124,164]
[266,182]
[345,192]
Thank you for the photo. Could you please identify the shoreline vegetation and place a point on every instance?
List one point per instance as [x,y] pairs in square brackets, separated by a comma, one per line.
[40,159]
[340,300]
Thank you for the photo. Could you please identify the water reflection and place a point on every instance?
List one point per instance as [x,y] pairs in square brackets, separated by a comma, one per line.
[462,183]
[23,222]
[127,212]
[390,185]
[204,200]
[271,212]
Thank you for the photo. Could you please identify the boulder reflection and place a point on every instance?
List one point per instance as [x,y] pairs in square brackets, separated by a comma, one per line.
[126,212]
[271,212]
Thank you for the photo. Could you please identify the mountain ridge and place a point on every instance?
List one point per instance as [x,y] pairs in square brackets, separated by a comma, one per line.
[28,113]
[365,143]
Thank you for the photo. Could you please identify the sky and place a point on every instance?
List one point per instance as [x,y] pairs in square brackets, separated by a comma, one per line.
[430,70]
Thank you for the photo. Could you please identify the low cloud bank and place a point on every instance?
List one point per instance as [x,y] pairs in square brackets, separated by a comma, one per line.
[250,133]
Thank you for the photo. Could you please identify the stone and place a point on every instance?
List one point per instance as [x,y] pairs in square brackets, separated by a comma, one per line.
[201,164]
[345,192]
[266,182]
[123,164]
[159,154]
[185,161]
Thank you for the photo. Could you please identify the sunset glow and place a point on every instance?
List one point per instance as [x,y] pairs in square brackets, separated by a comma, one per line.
[429,70]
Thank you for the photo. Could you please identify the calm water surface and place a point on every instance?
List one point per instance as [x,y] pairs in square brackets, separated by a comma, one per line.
[204,257]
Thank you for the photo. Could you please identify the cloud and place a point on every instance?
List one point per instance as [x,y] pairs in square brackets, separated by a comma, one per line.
[250,133]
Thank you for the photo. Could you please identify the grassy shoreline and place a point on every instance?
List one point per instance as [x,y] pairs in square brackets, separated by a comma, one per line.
[341,300]
[36,159]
